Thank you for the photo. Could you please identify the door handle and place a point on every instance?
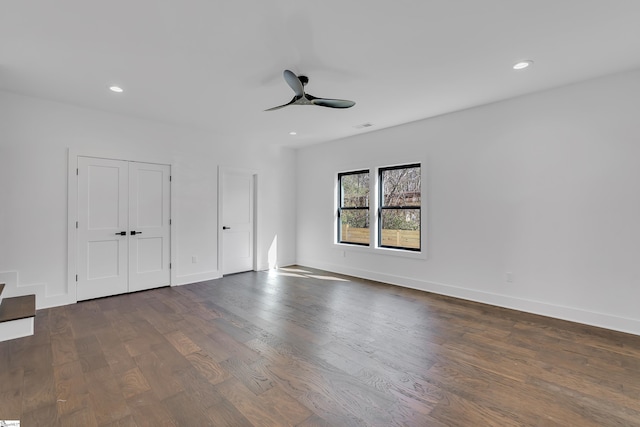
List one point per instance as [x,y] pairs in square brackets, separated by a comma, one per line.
[121,233]
[133,233]
[224,227]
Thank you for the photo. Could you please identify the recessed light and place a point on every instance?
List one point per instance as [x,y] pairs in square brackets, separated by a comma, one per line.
[523,64]
[116,89]
[293,133]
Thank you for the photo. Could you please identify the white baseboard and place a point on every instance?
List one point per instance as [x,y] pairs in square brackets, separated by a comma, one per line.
[14,288]
[602,320]
[48,301]
[195,278]
[16,329]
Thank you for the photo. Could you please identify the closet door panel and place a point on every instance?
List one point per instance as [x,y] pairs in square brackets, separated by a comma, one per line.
[149,209]
[102,227]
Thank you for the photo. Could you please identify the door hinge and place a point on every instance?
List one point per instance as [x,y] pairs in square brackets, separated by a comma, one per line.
[169,266]
[76,224]
[169,178]
[77,171]
[76,277]
[169,221]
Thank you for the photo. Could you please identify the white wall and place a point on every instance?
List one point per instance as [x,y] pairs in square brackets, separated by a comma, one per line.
[35,136]
[545,186]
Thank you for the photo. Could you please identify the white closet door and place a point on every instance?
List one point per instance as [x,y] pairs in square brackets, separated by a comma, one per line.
[149,195]
[237,221]
[103,213]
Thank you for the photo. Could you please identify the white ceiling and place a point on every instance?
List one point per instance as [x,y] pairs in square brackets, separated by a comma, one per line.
[217,65]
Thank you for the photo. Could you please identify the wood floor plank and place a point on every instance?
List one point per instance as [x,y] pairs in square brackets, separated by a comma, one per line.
[106,397]
[202,391]
[127,421]
[208,346]
[132,383]
[148,411]
[260,411]
[146,336]
[182,343]
[162,316]
[224,414]
[304,347]
[46,415]
[332,392]
[159,377]
[185,411]
[59,320]
[285,407]
[235,348]
[114,350]
[11,389]
[232,330]
[315,421]
[208,368]
[82,417]
[90,353]
[85,317]
[458,411]
[252,376]
[38,381]
[63,347]
[72,393]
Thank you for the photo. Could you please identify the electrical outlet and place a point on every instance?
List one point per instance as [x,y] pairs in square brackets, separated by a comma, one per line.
[508,277]
[194,259]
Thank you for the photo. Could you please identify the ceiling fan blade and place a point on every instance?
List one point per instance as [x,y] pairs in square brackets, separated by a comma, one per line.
[294,82]
[332,103]
[295,98]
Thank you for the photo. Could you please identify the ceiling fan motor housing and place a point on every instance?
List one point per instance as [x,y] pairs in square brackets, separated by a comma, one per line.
[297,83]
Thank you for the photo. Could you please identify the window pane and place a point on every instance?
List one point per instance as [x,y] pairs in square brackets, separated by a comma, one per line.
[400,228]
[354,226]
[355,190]
[401,187]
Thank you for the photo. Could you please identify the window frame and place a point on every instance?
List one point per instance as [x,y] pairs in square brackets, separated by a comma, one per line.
[380,206]
[344,249]
[341,208]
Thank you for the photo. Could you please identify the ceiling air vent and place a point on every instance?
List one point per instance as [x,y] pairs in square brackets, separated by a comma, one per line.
[364,125]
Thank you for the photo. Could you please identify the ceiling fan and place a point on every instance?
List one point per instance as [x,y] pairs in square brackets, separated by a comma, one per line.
[297,83]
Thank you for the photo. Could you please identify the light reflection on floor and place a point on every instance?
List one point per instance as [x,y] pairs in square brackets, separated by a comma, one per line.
[276,273]
[275,312]
[292,272]
[337,299]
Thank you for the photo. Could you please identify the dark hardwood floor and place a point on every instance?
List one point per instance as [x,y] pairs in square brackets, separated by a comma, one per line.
[302,347]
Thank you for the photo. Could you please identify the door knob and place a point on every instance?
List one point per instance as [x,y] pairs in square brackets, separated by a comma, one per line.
[224,227]
[121,233]
[133,233]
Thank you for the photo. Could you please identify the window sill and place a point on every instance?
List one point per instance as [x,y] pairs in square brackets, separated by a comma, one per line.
[381,251]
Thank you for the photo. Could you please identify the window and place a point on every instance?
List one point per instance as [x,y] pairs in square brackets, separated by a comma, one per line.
[353,208]
[399,207]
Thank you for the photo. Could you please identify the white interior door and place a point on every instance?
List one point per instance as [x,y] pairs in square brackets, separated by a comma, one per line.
[237,190]
[102,227]
[149,192]
[123,227]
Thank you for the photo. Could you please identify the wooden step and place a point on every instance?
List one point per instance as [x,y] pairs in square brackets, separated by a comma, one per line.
[17,308]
